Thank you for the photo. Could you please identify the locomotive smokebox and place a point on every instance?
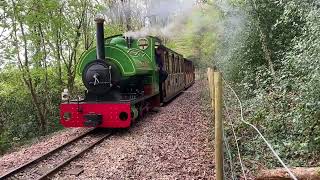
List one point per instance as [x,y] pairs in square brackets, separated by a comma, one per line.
[100,39]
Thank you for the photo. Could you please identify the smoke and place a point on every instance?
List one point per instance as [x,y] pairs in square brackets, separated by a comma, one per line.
[163,18]
[233,19]
[169,30]
[218,21]
[167,7]
[231,25]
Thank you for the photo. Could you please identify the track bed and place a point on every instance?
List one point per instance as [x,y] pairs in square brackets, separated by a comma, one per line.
[45,165]
[172,143]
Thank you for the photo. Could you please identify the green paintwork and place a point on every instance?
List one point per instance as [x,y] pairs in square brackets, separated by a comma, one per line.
[130,61]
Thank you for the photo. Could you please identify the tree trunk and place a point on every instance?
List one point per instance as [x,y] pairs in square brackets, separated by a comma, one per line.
[281,174]
[24,68]
[41,117]
[264,42]
[58,50]
[72,61]
[267,52]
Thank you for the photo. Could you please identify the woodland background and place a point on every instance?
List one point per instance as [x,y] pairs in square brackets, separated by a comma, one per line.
[268,51]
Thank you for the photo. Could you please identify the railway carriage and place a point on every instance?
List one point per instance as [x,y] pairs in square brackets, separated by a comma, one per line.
[125,77]
[178,70]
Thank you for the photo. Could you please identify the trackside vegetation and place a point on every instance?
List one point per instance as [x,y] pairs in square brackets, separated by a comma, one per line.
[268,50]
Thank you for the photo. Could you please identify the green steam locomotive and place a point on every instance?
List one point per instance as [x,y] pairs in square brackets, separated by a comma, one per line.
[125,77]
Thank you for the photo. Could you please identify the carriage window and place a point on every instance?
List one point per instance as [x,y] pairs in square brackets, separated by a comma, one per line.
[171,64]
[174,64]
[165,65]
[167,62]
[156,44]
[177,64]
[180,65]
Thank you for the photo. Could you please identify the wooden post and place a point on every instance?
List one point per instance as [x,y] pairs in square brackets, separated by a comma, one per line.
[218,125]
[212,89]
[210,81]
[210,74]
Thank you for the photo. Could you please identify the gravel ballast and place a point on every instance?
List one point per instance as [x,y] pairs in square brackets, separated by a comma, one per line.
[174,143]
[27,153]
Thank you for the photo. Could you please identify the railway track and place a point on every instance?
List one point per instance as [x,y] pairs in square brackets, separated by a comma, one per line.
[51,162]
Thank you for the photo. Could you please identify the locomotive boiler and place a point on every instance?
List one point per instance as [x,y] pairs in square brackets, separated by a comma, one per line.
[125,77]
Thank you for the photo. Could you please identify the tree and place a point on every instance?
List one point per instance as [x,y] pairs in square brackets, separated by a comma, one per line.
[46,35]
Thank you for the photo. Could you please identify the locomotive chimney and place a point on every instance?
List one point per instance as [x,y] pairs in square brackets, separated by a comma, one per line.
[100,38]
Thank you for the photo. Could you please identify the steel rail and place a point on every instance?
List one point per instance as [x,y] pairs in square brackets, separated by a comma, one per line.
[43,156]
[66,162]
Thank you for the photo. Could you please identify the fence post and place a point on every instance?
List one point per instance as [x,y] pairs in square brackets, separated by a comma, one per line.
[210,81]
[218,125]
[210,74]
